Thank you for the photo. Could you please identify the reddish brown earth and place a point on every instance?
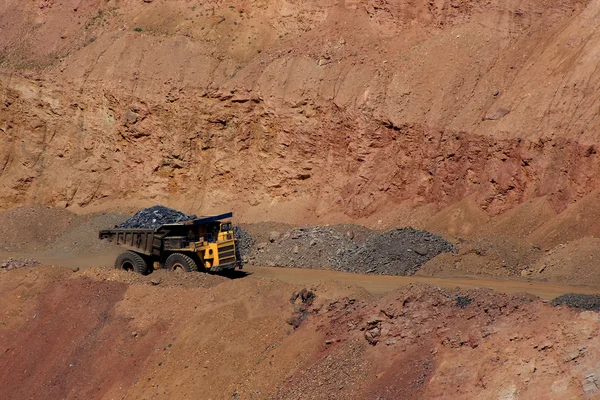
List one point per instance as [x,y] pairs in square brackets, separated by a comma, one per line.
[473,119]
[61,348]
[295,110]
[107,334]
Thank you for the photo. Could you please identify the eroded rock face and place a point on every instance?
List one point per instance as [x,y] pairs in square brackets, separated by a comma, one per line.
[302,114]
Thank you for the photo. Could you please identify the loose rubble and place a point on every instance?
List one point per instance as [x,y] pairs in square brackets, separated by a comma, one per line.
[244,242]
[589,302]
[301,302]
[401,251]
[14,263]
[154,217]
[307,247]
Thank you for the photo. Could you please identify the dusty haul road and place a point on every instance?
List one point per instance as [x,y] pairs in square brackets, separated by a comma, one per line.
[374,284]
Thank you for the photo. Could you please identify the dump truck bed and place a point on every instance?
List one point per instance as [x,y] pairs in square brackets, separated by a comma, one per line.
[150,241]
[145,241]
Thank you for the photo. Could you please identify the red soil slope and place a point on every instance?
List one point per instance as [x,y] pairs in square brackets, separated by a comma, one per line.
[108,334]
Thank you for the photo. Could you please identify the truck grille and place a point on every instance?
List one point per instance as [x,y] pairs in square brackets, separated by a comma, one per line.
[226,253]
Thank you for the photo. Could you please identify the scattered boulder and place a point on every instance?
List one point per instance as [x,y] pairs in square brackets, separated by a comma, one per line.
[463,301]
[131,117]
[274,236]
[301,302]
[373,330]
[373,336]
[496,115]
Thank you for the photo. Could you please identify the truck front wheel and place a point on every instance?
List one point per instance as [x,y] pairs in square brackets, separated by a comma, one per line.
[181,262]
[130,261]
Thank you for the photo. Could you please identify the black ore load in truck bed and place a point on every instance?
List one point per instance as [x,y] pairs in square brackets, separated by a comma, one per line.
[154,217]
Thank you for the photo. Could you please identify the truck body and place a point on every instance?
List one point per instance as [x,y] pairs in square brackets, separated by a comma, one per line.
[203,244]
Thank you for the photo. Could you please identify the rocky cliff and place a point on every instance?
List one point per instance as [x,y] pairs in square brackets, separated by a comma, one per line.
[297,110]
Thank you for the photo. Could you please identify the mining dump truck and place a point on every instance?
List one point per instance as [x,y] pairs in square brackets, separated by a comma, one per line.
[202,244]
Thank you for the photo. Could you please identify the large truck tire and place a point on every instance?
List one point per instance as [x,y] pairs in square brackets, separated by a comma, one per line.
[181,262]
[131,261]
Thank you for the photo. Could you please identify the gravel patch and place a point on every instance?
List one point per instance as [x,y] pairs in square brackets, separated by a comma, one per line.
[397,252]
[14,263]
[356,233]
[307,247]
[582,301]
[401,251]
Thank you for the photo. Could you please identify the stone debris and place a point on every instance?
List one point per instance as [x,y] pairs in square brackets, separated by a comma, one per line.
[306,247]
[154,217]
[14,263]
[244,242]
[155,281]
[301,302]
[463,301]
[591,383]
[400,251]
[589,302]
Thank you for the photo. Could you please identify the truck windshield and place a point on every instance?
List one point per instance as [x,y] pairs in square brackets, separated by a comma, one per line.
[225,227]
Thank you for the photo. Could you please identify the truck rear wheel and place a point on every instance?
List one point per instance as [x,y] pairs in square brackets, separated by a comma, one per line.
[131,261]
[181,262]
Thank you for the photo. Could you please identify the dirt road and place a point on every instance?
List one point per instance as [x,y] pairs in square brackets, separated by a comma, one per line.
[376,284]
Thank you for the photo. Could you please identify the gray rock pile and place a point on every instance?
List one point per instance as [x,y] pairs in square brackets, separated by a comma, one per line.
[589,302]
[307,247]
[396,252]
[401,251]
[14,263]
[154,217]
[244,242]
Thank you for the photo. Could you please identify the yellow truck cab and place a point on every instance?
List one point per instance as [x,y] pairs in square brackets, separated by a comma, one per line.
[216,247]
